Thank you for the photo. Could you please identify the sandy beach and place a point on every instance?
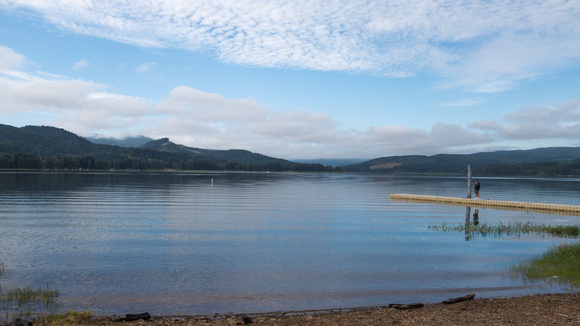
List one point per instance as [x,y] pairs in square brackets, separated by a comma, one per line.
[547,309]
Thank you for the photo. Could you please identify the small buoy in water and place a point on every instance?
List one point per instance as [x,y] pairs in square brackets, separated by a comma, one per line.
[212,181]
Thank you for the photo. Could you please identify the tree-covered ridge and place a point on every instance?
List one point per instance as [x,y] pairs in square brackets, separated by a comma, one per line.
[233,155]
[554,161]
[42,141]
[41,147]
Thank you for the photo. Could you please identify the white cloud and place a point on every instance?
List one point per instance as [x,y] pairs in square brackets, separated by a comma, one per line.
[562,121]
[145,67]
[76,105]
[199,119]
[80,64]
[463,102]
[502,62]
[486,46]
[9,59]
[210,120]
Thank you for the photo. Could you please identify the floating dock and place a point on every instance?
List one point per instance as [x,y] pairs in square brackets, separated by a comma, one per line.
[497,204]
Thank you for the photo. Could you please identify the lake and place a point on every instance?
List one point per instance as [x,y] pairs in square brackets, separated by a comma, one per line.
[204,243]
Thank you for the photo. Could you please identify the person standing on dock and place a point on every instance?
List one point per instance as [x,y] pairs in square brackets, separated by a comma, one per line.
[476,188]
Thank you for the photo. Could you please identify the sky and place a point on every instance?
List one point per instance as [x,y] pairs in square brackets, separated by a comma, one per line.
[301,79]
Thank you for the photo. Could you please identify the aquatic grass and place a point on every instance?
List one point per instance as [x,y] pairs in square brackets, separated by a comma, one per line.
[26,300]
[560,263]
[510,229]
[29,297]
[69,318]
[565,231]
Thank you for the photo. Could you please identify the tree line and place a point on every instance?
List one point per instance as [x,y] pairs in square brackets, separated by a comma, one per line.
[536,169]
[33,162]
[68,162]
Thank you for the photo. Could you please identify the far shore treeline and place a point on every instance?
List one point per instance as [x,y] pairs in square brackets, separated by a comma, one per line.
[32,162]
[50,148]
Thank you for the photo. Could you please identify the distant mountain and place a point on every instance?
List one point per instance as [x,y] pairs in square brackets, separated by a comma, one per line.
[232,155]
[43,141]
[456,163]
[41,147]
[50,147]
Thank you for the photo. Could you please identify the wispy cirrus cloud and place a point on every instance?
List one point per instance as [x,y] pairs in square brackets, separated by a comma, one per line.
[483,46]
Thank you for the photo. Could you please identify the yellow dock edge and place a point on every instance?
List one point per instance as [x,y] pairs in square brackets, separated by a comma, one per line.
[499,204]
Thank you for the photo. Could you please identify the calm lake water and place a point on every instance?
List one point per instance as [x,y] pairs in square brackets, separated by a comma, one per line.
[174,243]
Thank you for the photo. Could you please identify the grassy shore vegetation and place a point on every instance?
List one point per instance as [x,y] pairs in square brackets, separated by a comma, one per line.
[560,263]
[26,300]
[69,318]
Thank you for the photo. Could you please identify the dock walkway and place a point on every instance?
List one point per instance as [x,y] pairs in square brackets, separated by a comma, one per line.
[498,204]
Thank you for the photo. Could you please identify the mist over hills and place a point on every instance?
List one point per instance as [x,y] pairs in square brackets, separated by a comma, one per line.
[42,147]
[126,142]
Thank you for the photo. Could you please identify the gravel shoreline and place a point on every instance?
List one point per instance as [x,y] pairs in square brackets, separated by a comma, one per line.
[545,309]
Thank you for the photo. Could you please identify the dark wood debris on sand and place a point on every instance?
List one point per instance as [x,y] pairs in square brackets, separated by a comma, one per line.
[551,309]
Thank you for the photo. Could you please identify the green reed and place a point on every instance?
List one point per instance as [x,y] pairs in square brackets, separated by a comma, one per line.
[69,318]
[560,263]
[510,229]
[26,300]
[29,294]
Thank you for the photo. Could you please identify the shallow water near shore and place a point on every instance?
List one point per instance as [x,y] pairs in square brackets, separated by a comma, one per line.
[176,243]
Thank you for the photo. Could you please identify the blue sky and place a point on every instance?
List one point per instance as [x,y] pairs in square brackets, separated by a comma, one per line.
[298,79]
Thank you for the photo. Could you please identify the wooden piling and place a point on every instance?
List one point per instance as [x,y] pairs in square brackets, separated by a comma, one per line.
[468,180]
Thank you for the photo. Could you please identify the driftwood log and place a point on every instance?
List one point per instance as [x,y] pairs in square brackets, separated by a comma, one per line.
[21,322]
[133,317]
[406,306]
[463,298]
[243,320]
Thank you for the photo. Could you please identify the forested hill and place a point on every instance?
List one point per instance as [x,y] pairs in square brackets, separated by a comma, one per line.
[41,147]
[536,162]
[232,155]
[45,142]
